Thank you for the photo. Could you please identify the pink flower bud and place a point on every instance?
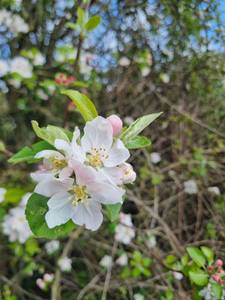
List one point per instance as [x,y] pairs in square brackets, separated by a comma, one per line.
[219,263]
[210,268]
[116,123]
[216,277]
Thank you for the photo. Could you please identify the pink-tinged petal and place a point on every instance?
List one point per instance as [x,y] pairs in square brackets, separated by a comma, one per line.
[41,175]
[117,154]
[48,154]
[97,133]
[65,173]
[106,193]
[84,174]
[58,200]
[116,123]
[77,151]
[113,175]
[89,215]
[58,216]
[50,187]
[63,146]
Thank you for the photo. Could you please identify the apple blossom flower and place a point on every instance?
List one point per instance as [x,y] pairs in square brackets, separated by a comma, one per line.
[78,200]
[178,275]
[2,194]
[48,277]
[16,83]
[55,161]
[116,124]
[15,225]
[145,71]
[4,67]
[138,297]
[214,190]
[65,264]
[41,284]
[128,120]
[122,260]
[190,187]
[124,231]
[52,246]
[21,66]
[155,157]
[38,59]
[151,241]
[128,174]
[124,61]
[18,25]
[106,262]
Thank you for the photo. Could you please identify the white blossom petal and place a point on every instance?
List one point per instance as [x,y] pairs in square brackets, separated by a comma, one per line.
[89,215]
[50,187]
[117,154]
[59,215]
[48,154]
[106,193]
[97,133]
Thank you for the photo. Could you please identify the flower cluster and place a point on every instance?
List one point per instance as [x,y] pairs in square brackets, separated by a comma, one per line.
[13,22]
[15,225]
[64,79]
[217,272]
[43,283]
[81,175]
[125,231]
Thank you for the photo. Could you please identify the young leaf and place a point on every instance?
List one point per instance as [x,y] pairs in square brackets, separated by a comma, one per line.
[137,126]
[35,213]
[138,142]
[81,17]
[197,256]
[113,211]
[49,133]
[199,277]
[27,153]
[216,290]
[84,105]
[208,254]
[92,23]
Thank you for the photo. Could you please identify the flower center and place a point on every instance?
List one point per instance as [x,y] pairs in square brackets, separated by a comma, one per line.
[97,157]
[58,164]
[80,194]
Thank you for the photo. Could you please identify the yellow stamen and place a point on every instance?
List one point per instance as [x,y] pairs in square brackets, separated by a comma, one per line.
[80,194]
[58,164]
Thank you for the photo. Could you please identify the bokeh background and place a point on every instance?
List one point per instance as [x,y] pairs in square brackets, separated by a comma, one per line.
[145,56]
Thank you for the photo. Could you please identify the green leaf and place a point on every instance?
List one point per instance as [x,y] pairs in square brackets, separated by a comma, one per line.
[84,105]
[71,25]
[199,277]
[27,153]
[138,142]
[208,254]
[216,290]
[92,23]
[81,17]
[14,195]
[35,213]
[197,256]
[138,126]
[113,211]
[49,133]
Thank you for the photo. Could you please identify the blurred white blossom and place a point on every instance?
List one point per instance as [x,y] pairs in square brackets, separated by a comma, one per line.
[2,194]
[190,187]
[165,78]
[122,260]
[151,241]
[178,275]
[214,190]
[52,246]
[155,157]
[21,66]
[106,261]
[16,83]
[15,225]
[138,297]
[4,67]
[14,22]
[125,231]
[128,120]
[124,61]
[145,71]
[65,264]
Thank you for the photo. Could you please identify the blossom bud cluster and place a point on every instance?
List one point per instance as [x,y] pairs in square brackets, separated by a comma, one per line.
[217,272]
[64,79]
[81,175]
